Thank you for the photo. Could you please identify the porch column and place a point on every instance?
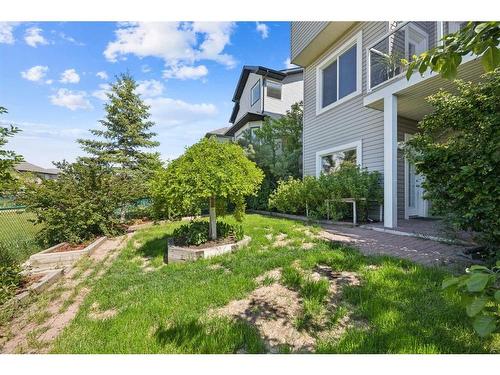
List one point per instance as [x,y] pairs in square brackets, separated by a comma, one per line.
[390,161]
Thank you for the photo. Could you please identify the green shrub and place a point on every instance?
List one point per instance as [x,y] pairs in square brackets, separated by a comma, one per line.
[196,232]
[82,203]
[10,274]
[480,291]
[321,197]
[457,150]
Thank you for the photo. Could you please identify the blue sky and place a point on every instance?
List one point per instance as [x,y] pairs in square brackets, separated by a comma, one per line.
[53,76]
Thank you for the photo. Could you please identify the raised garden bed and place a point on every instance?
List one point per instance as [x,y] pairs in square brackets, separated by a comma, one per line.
[62,255]
[37,282]
[209,249]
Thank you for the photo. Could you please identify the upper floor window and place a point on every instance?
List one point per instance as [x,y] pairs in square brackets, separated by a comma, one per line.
[339,76]
[273,89]
[255,93]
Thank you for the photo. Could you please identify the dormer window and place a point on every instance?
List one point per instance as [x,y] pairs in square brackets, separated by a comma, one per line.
[273,89]
[255,93]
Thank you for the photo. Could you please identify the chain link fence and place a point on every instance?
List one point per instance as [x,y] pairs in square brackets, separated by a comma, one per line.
[18,233]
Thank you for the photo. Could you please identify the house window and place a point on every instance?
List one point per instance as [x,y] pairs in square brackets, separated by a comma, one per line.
[255,93]
[330,160]
[273,89]
[416,41]
[339,76]
[252,131]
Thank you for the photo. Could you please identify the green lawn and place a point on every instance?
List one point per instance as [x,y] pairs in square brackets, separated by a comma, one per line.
[165,310]
[17,234]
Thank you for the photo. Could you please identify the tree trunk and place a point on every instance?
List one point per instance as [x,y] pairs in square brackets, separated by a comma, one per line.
[213,220]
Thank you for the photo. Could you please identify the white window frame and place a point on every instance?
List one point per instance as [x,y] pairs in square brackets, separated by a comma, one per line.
[355,40]
[276,83]
[418,30]
[358,145]
[252,101]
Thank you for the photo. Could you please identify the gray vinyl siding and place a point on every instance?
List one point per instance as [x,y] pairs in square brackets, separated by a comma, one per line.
[245,100]
[302,33]
[409,127]
[347,122]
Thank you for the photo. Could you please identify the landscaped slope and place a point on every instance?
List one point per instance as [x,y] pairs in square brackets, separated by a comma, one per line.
[328,298]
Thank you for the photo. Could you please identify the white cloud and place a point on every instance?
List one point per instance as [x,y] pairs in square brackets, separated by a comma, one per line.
[49,81]
[70,39]
[72,100]
[35,73]
[186,72]
[33,36]
[262,29]
[172,112]
[177,43]
[7,32]
[102,75]
[150,88]
[102,92]
[145,68]
[69,76]
[288,64]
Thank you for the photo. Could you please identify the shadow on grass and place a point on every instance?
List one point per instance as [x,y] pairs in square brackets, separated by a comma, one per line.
[153,248]
[212,336]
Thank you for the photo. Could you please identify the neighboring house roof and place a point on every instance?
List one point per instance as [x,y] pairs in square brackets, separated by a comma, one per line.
[28,167]
[217,132]
[250,116]
[268,72]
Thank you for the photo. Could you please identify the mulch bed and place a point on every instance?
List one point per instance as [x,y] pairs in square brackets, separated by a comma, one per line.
[28,281]
[218,242]
[68,247]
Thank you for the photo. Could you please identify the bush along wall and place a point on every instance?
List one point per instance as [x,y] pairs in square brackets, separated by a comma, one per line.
[322,197]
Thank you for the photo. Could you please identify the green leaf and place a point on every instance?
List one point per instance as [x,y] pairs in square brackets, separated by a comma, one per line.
[476,306]
[484,325]
[477,282]
[491,58]
[476,267]
[497,296]
[449,281]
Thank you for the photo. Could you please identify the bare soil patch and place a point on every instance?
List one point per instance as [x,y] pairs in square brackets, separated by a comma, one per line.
[274,309]
[97,314]
[67,247]
[28,281]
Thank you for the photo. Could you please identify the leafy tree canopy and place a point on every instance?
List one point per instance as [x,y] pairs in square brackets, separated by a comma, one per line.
[8,159]
[476,37]
[209,170]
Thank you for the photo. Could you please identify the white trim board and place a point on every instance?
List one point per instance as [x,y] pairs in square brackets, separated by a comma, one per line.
[327,60]
[358,145]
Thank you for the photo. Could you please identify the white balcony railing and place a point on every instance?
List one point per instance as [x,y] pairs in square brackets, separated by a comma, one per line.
[405,40]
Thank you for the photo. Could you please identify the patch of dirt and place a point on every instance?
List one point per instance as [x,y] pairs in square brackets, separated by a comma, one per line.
[334,237]
[68,247]
[272,274]
[272,309]
[306,231]
[97,314]
[218,266]
[372,267]
[22,331]
[281,240]
[269,236]
[307,245]
[28,281]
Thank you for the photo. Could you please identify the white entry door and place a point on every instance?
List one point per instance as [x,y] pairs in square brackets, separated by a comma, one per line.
[415,204]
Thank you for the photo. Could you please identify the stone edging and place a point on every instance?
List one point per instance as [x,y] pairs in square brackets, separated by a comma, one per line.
[46,259]
[180,254]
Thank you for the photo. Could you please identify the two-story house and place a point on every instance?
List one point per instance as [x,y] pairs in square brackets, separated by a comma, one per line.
[261,92]
[358,104]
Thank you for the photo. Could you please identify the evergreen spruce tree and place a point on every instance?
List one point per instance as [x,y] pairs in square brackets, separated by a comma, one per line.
[123,143]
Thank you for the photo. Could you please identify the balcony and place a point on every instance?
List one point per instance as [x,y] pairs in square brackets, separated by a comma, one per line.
[404,40]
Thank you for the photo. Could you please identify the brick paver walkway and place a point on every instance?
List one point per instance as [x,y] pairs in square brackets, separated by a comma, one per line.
[419,250]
